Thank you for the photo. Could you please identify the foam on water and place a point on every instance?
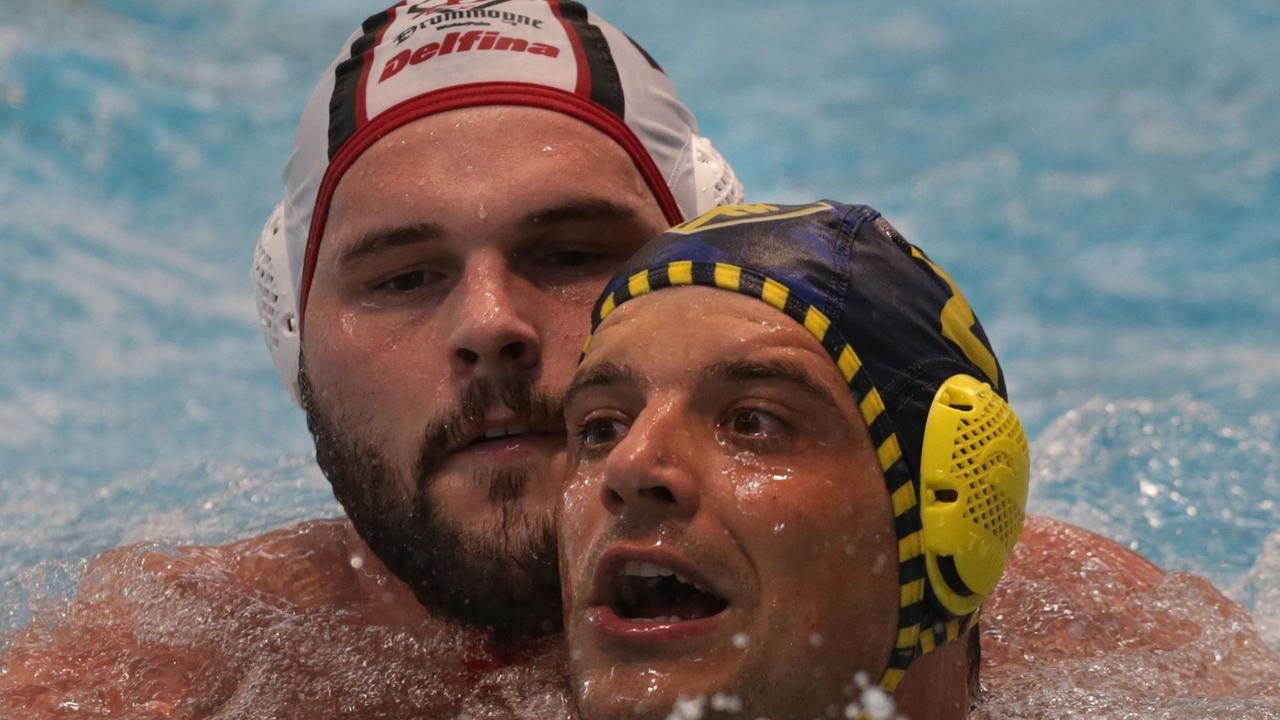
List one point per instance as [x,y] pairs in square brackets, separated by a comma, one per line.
[240,651]
[1260,591]
[1101,642]
[55,519]
[1153,474]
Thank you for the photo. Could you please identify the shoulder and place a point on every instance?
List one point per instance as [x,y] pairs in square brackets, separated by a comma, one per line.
[1074,606]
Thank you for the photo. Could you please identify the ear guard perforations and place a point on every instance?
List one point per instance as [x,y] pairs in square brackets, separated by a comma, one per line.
[975,468]
[277,306]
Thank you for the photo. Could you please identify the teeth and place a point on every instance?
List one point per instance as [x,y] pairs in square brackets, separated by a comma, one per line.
[649,570]
[498,432]
[644,569]
[695,585]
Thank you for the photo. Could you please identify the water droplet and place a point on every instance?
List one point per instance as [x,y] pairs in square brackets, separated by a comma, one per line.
[881,562]
[876,704]
[724,702]
[688,708]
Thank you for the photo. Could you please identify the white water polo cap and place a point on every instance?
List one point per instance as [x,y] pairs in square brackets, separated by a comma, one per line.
[420,58]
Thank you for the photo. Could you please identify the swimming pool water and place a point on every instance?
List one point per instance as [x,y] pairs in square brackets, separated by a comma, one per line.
[1103,179]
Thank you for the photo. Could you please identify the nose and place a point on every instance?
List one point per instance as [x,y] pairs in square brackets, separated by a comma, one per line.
[492,333]
[651,472]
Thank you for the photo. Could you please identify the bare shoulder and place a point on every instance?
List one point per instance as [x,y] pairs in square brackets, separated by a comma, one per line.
[1052,550]
[1076,610]
[317,563]
[174,631]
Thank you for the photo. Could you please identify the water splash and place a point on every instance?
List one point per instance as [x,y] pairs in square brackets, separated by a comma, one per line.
[1173,479]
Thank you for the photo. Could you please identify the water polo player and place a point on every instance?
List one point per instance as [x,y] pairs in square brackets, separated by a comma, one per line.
[455,199]
[792,465]
[464,180]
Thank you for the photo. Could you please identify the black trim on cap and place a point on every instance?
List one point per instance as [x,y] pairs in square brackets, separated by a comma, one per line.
[346,83]
[606,84]
[649,58]
[658,278]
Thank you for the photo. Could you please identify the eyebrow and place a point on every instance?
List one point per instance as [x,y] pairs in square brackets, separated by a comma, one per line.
[591,209]
[388,238]
[783,371]
[587,209]
[606,374]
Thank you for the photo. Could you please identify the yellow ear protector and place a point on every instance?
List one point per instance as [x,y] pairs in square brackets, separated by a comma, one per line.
[974,471]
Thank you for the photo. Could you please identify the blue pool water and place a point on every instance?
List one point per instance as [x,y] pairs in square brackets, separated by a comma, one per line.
[1103,179]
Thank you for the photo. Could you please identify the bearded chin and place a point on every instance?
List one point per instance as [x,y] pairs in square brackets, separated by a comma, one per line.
[500,576]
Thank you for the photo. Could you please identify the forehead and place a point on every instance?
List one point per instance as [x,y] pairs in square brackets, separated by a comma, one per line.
[507,159]
[670,332]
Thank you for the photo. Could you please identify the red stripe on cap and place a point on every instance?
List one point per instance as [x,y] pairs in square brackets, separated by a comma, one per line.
[474,95]
[579,54]
[362,110]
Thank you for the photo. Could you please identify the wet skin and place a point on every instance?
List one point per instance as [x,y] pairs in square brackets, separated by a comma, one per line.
[282,624]
[466,247]
[730,452]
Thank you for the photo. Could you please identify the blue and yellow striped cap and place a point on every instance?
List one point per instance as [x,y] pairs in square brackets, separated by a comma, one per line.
[893,322]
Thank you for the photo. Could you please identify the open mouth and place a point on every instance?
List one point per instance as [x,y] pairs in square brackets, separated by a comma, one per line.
[644,592]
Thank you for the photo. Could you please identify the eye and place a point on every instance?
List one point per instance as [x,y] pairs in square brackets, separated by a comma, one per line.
[575,260]
[598,432]
[406,282]
[755,425]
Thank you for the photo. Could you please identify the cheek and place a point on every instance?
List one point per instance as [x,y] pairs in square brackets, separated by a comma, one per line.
[855,620]
[362,343]
[375,369]
[580,518]
[563,321]
[826,554]
[576,508]
[386,381]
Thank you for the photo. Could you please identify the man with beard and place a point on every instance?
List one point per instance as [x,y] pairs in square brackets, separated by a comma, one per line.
[455,198]
[464,180]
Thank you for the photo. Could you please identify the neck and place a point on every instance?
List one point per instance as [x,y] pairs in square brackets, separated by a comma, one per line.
[936,686]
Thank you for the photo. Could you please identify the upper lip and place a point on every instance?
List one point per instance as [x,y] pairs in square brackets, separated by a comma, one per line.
[612,562]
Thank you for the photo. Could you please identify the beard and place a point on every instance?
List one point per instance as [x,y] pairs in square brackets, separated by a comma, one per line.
[500,576]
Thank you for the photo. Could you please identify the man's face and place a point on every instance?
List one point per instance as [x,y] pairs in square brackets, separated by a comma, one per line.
[726,528]
[451,295]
